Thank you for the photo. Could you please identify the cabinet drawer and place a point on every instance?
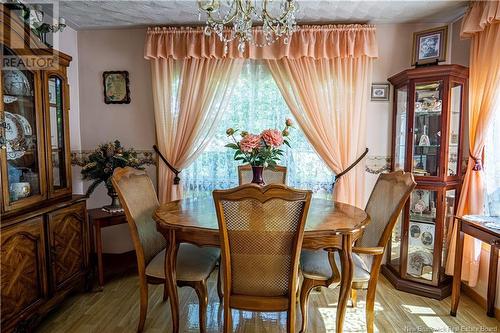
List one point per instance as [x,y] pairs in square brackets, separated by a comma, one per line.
[23,268]
[67,244]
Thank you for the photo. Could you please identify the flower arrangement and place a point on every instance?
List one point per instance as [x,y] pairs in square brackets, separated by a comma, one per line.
[100,164]
[260,150]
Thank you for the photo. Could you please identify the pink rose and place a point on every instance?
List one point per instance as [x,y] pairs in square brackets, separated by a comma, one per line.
[249,143]
[289,122]
[272,137]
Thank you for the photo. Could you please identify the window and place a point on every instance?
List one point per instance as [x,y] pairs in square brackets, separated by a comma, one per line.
[256,104]
[492,164]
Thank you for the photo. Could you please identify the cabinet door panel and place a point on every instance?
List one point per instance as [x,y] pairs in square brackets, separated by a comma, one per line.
[24,282]
[67,244]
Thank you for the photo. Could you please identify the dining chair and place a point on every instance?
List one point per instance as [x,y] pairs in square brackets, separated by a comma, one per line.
[261,232]
[322,268]
[194,264]
[271,176]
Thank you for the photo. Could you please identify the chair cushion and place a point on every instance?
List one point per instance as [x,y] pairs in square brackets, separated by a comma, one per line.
[315,265]
[193,263]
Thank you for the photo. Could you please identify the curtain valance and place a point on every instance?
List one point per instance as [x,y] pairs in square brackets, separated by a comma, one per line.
[479,15]
[318,42]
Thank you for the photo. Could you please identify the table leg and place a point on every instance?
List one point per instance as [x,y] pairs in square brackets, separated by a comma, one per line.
[98,240]
[492,281]
[457,269]
[171,278]
[346,279]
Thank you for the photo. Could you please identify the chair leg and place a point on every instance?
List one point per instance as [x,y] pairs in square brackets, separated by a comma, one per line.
[228,322]
[144,305]
[354,298]
[307,286]
[219,284]
[201,290]
[290,319]
[165,293]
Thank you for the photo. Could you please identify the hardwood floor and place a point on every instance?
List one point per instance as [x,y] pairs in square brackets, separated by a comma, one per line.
[116,309]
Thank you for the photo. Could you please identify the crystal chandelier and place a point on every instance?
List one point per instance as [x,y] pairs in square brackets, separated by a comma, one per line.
[241,14]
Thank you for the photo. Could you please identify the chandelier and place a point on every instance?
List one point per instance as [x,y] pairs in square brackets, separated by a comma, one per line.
[241,14]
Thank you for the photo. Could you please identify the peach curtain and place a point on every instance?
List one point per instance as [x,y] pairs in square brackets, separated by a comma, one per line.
[482,24]
[328,97]
[318,42]
[324,74]
[189,97]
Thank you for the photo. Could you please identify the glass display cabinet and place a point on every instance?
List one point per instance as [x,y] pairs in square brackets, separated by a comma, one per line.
[428,127]
[35,136]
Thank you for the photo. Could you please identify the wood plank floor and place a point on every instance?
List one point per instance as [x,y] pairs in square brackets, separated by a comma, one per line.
[116,309]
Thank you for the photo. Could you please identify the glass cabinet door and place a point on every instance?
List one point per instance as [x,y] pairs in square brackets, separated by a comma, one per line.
[421,235]
[454,128]
[22,158]
[400,128]
[56,142]
[427,128]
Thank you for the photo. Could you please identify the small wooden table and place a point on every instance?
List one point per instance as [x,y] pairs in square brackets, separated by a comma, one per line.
[329,225]
[474,225]
[99,219]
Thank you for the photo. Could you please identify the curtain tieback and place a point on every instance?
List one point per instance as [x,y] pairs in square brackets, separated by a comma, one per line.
[174,170]
[478,163]
[337,177]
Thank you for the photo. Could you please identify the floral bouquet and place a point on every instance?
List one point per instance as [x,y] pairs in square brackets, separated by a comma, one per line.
[260,150]
[100,164]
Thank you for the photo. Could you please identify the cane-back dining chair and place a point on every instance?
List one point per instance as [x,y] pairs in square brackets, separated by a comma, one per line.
[322,268]
[194,265]
[270,176]
[261,231]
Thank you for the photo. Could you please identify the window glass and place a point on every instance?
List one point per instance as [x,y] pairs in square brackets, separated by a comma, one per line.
[256,104]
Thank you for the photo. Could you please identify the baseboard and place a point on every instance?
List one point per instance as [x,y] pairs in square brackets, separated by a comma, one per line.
[477,298]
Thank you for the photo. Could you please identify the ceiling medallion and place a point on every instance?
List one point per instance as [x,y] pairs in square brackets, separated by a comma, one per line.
[240,15]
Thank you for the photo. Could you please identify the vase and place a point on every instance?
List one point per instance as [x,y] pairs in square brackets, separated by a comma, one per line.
[115,206]
[258,172]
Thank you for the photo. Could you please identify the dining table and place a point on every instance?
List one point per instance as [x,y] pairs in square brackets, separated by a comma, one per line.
[330,225]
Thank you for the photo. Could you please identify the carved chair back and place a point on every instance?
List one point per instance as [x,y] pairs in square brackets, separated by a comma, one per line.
[138,198]
[386,201]
[261,230]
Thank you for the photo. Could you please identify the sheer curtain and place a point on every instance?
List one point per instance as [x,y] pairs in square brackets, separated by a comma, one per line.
[189,97]
[255,104]
[492,164]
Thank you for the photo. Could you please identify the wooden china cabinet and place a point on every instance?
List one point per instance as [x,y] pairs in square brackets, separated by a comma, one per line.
[428,134]
[44,240]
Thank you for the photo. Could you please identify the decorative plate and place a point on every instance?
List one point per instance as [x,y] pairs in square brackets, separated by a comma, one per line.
[14,134]
[26,125]
[16,83]
[9,99]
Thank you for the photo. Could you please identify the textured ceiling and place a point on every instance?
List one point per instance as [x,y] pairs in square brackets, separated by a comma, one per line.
[116,14]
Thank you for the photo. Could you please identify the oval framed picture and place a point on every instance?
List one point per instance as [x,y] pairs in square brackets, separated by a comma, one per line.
[116,87]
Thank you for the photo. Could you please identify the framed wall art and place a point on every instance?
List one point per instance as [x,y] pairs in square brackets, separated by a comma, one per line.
[380,92]
[116,87]
[429,46]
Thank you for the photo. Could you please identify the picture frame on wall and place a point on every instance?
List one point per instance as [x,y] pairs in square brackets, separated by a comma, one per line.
[380,92]
[116,87]
[429,46]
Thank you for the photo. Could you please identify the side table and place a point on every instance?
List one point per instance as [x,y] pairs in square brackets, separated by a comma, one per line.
[478,227]
[99,219]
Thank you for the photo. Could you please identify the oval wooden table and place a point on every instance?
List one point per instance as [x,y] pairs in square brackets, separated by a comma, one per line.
[329,225]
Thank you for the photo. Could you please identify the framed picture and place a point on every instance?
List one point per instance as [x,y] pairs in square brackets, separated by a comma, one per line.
[380,92]
[116,87]
[429,46]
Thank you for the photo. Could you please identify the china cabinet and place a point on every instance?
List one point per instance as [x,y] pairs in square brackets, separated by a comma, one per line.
[428,126]
[43,227]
